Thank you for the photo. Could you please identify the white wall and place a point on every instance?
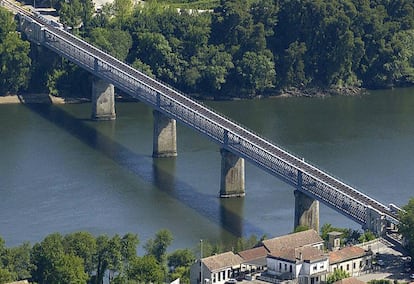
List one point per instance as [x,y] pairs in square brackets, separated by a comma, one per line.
[354,267]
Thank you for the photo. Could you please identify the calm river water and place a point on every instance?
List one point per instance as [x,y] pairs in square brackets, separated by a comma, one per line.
[62,172]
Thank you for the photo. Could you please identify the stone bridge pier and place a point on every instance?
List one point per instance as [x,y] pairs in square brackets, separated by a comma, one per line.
[306,211]
[103,100]
[232,182]
[164,136]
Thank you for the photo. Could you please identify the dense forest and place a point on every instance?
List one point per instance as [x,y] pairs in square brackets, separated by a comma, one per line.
[238,48]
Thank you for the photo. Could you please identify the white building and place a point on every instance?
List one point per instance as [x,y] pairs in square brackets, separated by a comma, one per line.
[216,269]
[353,260]
[308,265]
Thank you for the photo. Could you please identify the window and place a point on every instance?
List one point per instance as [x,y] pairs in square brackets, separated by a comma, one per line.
[280,266]
[228,273]
[353,265]
[219,276]
[285,266]
[321,266]
[214,277]
[290,269]
[360,264]
[347,266]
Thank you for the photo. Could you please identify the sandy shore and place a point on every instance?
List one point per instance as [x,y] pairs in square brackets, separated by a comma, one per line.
[36,99]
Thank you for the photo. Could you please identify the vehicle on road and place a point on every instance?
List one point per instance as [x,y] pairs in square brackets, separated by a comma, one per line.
[231,281]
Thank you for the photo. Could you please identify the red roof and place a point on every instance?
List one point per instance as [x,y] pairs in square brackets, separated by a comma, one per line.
[254,253]
[295,240]
[345,254]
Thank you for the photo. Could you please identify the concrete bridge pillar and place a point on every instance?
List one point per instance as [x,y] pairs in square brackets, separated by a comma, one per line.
[306,211]
[165,136]
[103,100]
[232,175]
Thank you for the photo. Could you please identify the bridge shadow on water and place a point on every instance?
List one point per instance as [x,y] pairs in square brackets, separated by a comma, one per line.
[229,216]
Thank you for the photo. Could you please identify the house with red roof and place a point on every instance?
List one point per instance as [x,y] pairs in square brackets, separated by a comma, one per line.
[354,260]
[217,269]
[307,265]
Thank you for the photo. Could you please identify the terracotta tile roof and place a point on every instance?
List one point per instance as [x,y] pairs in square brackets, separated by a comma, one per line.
[307,254]
[346,253]
[223,260]
[350,280]
[295,240]
[254,253]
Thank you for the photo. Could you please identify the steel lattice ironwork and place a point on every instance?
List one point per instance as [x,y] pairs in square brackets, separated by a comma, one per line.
[228,134]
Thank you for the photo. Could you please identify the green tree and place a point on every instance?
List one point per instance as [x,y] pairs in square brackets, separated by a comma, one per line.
[181,272]
[122,11]
[146,269]
[83,245]
[181,257]
[14,59]
[179,263]
[6,276]
[69,269]
[257,72]
[366,237]
[337,275]
[101,258]
[70,13]
[46,257]
[7,23]
[232,24]
[53,265]
[17,261]
[158,246]
[293,65]
[114,41]
[68,80]
[406,226]
[209,69]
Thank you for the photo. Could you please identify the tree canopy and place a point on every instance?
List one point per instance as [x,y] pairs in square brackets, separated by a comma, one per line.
[406,226]
[14,60]
[239,48]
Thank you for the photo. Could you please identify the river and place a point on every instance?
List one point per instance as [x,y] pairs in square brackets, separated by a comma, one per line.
[62,172]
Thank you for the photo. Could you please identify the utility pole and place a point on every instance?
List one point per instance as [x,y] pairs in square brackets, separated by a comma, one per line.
[201,262]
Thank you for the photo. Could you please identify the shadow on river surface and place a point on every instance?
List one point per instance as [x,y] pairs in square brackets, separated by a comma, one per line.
[151,170]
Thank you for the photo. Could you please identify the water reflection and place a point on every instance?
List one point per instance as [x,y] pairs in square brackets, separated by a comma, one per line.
[231,212]
[161,172]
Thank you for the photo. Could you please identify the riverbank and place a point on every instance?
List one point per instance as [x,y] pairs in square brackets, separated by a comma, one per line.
[38,99]
[291,92]
[322,92]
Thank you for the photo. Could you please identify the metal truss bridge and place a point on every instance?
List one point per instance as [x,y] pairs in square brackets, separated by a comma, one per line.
[228,134]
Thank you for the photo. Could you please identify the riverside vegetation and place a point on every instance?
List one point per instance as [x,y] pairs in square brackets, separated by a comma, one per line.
[235,48]
[80,257]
